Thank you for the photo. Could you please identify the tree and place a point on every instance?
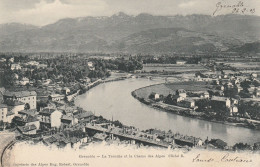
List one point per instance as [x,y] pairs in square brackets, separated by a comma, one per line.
[230,92]
[27,106]
[245,85]
[203,104]
[41,104]
[7,78]
[222,113]
[242,146]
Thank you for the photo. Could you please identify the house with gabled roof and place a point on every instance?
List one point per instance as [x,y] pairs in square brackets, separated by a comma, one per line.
[50,118]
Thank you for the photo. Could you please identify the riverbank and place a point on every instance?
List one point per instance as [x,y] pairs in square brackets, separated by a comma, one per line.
[98,82]
[188,112]
[114,101]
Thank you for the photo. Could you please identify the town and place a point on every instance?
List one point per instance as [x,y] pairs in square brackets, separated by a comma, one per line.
[38,92]
[215,94]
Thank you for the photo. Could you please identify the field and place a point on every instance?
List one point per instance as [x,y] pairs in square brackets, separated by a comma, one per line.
[246,67]
[243,65]
[146,91]
[173,67]
[167,88]
[188,86]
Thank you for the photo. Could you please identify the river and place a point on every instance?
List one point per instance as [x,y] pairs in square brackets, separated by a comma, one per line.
[113,100]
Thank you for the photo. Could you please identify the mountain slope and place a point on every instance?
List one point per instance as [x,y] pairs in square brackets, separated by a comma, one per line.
[11,28]
[247,48]
[172,40]
[142,33]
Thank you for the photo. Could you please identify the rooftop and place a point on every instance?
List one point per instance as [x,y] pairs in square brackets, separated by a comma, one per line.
[14,103]
[84,114]
[3,105]
[28,112]
[181,91]
[100,136]
[47,111]
[56,95]
[20,93]
[65,117]
[218,98]
[30,118]
[9,113]
[27,128]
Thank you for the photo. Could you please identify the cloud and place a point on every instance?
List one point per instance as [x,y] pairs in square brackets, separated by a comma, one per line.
[189,4]
[45,12]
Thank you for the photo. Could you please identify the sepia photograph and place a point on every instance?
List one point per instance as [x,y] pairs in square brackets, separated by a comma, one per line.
[100,83]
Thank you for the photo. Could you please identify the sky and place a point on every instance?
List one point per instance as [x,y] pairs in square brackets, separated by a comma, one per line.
[43,12]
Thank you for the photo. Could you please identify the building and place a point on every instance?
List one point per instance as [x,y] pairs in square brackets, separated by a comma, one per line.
[15,106]
[180,62]
[29,117]
[181,92]
[257,93]
[57,97]
[173,99]
[252,89]
[218,101]
[3,112]
[100,137]
[24,81]
[26,97]
[2,60]
[188,103]
[218,143]
[229,72]
[65,90]
[27,129]
[33,63]
[84,117]
[239,88]
[154,96]
[184,140]
[16,76]
[215,82]
[254,75]
[46,82]
[11,59]
[91,65]
[75,142]
[233,109]
[50,118]
[204,95]
[43,66]
[16,67]
[68,121]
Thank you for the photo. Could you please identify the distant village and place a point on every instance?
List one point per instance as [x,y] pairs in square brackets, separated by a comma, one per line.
[37,100]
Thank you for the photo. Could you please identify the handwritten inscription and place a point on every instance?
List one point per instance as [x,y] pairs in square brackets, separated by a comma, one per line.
[226,158]
[199,159]
[238,8]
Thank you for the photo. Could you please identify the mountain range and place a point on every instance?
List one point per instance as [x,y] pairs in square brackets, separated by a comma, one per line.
[143,33]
